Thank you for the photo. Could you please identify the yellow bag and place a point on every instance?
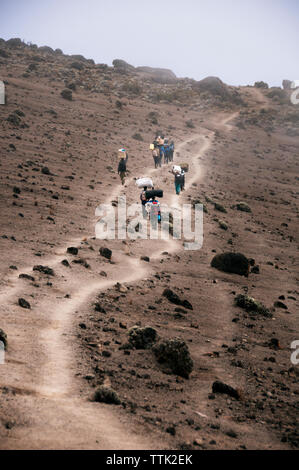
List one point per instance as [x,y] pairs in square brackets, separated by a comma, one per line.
[152,147]
[122,154]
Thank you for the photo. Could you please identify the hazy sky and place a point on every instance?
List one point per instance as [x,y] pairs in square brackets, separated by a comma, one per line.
[240,41]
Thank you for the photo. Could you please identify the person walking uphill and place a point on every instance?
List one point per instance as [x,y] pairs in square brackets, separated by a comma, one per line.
[177,182]
[122,169]
[171,151]
[122,165]
[156,157]
[144,201]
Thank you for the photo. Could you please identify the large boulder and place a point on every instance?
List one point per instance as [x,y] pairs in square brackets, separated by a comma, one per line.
[261,84]
[122,66]
[142,338]
[46,49]
[77,57]
[214,86]
[234,263]
[14,42]
[219,90]
[158,75]
[175,355]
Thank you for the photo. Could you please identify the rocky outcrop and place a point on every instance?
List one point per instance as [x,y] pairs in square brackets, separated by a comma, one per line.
[122,66]
[261,84]
[215,87]
[158,75]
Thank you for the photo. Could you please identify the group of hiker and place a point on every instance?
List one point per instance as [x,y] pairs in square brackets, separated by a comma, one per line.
[162,150]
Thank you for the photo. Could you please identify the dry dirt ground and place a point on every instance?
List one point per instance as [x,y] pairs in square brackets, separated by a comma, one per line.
[61,348]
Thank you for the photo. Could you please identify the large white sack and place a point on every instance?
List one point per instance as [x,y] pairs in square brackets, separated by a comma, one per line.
[142,182]
[176,169]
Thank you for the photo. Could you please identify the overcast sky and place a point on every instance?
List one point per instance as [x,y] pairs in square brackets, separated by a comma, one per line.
[240,41]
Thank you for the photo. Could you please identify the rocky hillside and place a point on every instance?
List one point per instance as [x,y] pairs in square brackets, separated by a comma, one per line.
[140,344]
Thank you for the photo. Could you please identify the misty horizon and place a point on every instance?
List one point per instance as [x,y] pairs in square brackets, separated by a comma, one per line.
[239,43]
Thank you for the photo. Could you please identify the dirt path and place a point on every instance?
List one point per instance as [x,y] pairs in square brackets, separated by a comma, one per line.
[42,371]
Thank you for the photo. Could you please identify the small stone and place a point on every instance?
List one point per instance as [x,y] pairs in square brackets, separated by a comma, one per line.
[281,305]
[24,304]
[46,171]
[171,430]
[220,387]
[106,253]
[65,263]
[72,250]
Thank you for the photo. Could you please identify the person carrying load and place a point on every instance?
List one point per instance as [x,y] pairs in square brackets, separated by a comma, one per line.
[156,157]
[171,151]
[166,154]
[154,210]
[182,180]
[145,183]
[177,171]
[144,201]
[122,165]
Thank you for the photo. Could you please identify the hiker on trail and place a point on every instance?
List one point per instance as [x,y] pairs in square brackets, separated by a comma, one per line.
[177,182]
[156,157]
[160,158]
[122,169]
[154,209]
[144,201]
[171,151]
[183,181]
[162,153]
[166,154]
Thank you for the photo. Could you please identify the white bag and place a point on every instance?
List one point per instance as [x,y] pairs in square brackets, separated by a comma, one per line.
[144,182]
[176,169]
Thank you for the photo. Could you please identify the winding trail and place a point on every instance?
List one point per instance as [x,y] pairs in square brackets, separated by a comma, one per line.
[57,417]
